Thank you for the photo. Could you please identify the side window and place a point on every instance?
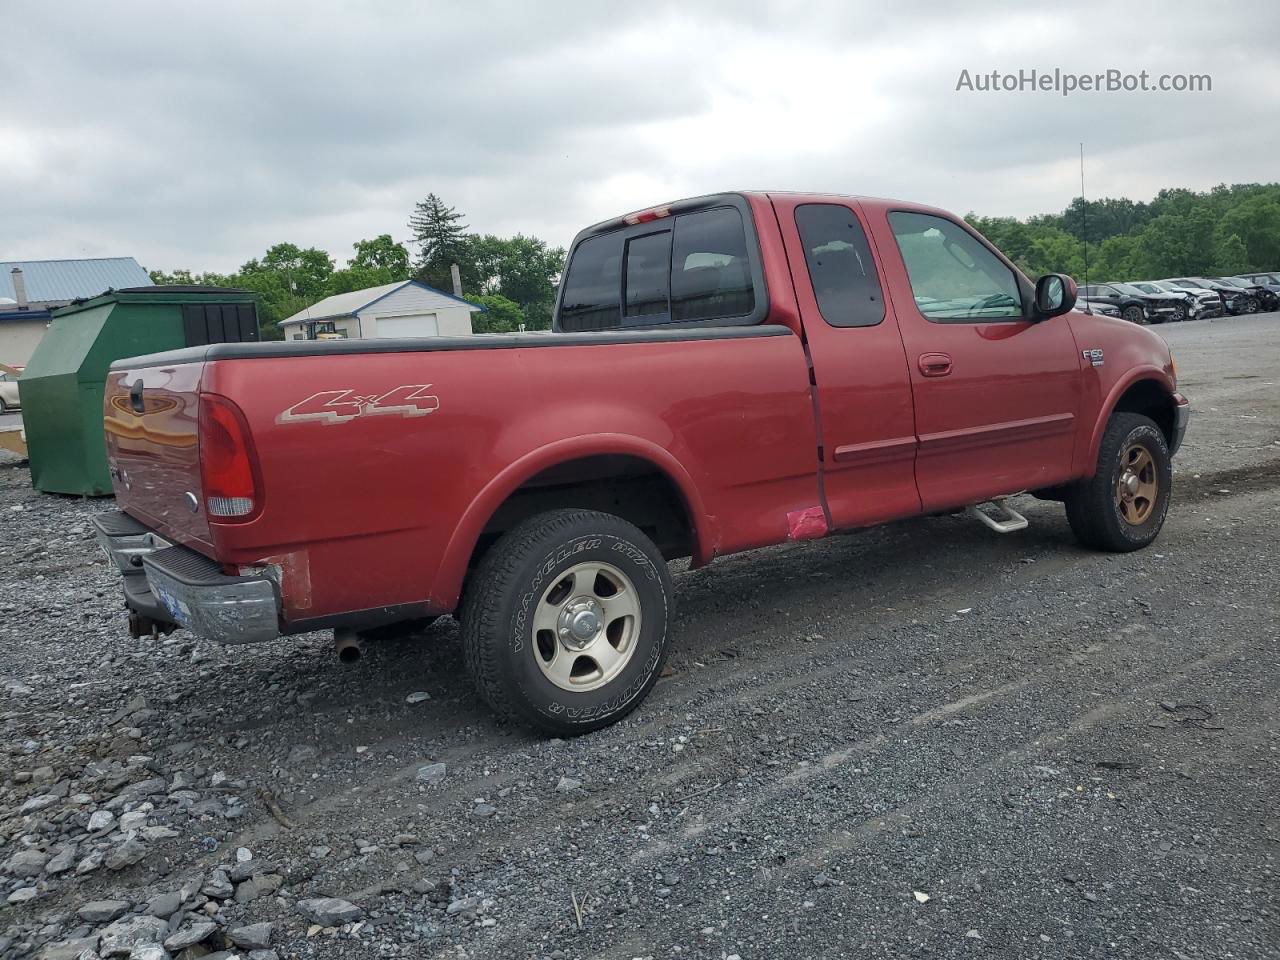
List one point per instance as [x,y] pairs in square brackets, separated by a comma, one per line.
[954,277]
[841,268]
[710,269]
[648,277]
[593,285]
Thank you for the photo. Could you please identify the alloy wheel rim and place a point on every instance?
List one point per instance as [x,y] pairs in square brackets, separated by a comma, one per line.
[1137,484]
[586,626]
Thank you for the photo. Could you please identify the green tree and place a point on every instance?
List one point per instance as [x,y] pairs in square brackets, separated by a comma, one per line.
[382,253]
[1256,221]
[1176,244]
[522,269]
[440,235]
[304,273]
[1114,259]
[500,314]
[1230,256]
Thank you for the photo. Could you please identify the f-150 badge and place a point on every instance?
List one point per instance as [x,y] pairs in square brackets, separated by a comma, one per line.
[1094,356]
[339,406]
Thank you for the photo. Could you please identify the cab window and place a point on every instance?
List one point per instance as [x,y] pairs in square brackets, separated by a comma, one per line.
[954,277]
[841,268]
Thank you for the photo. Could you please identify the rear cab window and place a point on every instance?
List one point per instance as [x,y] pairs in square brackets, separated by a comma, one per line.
[694,266]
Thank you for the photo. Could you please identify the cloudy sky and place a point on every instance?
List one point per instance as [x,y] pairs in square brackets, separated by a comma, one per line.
[196,135]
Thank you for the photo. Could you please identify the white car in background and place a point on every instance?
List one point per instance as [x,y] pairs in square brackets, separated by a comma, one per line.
[1208,303]
[9,399]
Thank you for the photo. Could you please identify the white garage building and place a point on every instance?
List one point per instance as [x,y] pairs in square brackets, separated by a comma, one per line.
[404,309]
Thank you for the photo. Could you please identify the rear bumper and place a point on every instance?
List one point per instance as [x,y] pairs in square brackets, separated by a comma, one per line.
[1181,417]
[168,583]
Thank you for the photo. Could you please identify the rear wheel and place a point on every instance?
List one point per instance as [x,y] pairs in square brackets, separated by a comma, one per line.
[1134,315]
[1123,505]
[565,621]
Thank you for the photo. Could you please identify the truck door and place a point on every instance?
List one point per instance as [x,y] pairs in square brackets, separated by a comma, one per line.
[867,433]
[996,395]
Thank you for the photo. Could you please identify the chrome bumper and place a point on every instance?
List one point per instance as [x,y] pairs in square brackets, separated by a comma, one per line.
[172,584]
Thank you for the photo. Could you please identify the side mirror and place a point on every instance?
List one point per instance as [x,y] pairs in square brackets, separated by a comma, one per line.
[1055,295]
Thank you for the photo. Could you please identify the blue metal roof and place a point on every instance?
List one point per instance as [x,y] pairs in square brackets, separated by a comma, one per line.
[51,280]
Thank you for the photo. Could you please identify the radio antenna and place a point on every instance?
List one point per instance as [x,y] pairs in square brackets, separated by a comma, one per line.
[1084,218]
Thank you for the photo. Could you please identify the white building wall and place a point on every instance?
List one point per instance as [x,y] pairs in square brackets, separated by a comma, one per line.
[19,339]
[453,319]
[440,315]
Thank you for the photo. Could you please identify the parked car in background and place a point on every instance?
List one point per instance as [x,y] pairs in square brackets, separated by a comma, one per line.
[1161,306]
[1100,307]
[1269,280]
[777,367]
[1134,305]
[1234,299]
[1267,299]
[9,398]
[1203,304]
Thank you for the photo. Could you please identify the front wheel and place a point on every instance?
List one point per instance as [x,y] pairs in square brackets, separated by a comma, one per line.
[1251,305]
[1123,505]
[1134,315]
[565,621]
[1179,313]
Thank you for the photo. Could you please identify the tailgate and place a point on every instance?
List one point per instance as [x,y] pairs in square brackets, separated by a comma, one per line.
[151,421]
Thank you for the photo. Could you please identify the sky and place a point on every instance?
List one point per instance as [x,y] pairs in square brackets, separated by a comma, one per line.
[197,135]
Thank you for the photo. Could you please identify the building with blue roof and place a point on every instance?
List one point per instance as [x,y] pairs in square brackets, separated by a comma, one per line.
[29,289]
[406,308]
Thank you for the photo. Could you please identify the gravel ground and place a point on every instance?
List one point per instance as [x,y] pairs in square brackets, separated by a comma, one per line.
[921,741]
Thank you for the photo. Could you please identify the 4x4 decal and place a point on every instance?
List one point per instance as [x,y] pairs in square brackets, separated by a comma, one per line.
[339,406]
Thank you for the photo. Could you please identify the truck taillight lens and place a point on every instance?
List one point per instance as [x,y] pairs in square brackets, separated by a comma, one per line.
[228,464]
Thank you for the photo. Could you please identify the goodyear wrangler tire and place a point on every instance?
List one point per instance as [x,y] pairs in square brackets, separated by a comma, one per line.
[565,621]
[1123,505]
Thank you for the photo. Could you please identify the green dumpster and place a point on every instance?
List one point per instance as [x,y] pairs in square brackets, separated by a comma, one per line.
[62,386]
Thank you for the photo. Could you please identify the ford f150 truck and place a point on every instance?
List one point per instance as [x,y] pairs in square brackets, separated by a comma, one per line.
[724,373]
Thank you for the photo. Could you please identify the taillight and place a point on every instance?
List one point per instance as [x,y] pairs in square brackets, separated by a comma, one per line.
[228,464]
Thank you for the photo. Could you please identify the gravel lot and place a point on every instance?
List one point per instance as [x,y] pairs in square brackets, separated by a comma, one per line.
[925,740]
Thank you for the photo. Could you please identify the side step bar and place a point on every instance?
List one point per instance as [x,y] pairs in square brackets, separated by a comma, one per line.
[1008,520]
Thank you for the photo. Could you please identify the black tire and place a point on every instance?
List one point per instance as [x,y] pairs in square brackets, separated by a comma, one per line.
[1251,305]
[498,611]
[1096,518]
[1134,315]
[1179,313]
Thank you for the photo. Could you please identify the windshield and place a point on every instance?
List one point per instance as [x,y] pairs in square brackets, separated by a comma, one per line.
[1130,289]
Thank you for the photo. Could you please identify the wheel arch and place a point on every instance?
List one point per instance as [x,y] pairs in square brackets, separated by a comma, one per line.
[597,459]
[1147,390]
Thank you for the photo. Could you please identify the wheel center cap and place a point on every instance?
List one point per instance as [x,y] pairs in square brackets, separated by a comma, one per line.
[1129,483]
[580,621]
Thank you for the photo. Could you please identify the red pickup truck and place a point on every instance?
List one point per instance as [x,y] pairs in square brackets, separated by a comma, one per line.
[725,372]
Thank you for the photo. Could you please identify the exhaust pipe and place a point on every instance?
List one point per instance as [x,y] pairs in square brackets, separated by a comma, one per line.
[348,645]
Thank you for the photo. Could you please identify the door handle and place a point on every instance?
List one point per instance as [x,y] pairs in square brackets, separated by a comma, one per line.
[934,364]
